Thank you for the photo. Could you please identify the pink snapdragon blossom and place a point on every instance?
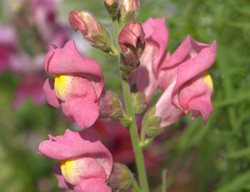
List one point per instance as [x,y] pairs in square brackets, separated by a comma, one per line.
[185,75]
[156,37]
[77,85]
[85,163]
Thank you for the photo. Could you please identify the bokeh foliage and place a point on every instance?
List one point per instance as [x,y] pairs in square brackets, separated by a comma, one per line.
[215,157]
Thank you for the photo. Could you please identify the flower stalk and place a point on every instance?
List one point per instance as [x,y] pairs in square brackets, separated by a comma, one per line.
[143,182]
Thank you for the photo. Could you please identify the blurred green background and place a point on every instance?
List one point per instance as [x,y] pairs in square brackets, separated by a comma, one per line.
[201,158]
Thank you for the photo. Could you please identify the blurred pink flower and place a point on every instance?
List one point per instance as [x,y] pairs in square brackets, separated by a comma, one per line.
[44,15]
[85,163]
[77,85]
[185,75]
[28,68]
[30,87]
[156,37]
[8,46]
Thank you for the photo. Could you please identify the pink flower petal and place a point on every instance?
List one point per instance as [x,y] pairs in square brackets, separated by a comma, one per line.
[74,145]
[143,78]
[68,61]
[202,105]
[165,108]
[51,97]
[197,65]
[60,179]
[156,36]
[195,97]
[157,33]
[92,185]
[180,53]
[83,112]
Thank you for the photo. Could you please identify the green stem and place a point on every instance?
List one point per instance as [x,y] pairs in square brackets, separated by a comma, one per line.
[164,180]
[142,136]
[135,138]
[114,50]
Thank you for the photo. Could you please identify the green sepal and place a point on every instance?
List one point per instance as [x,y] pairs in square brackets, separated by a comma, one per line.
[112,10]
[102,42]
[150,123]
[127,17]
[121,177]
[144,144]
[138,102]
[126,120]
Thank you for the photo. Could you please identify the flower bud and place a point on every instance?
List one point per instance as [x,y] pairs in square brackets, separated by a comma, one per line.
[91,29]
[112,7]
[132,44]
[110,2]
[121,178]
[110,105]
[128,10]
[151,123]
[138,102]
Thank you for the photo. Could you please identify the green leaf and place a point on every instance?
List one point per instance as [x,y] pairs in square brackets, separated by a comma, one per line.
[244,25]
[240,154]
[236,184]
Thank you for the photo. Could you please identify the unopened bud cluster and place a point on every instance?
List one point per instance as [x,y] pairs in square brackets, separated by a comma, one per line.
[123,11]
